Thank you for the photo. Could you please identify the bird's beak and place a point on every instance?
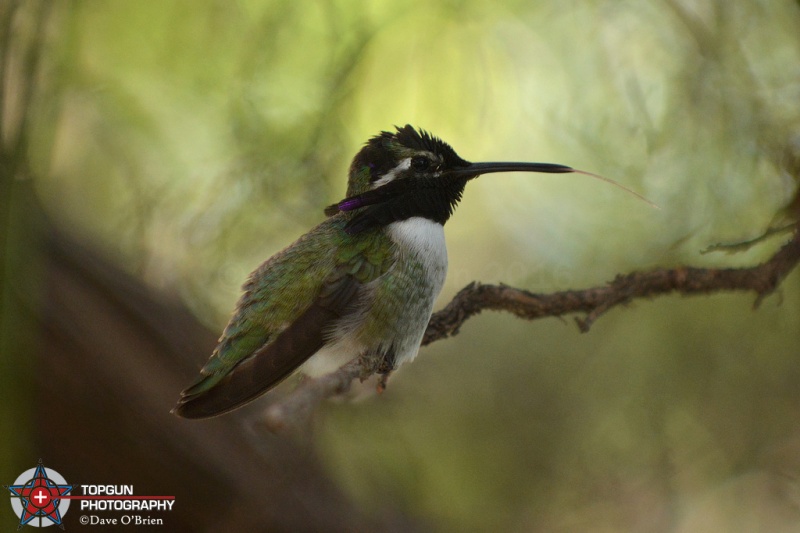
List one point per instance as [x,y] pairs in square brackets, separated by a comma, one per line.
[473,170]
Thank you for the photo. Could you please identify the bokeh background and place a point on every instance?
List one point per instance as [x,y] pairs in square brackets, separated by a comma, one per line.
[162,150]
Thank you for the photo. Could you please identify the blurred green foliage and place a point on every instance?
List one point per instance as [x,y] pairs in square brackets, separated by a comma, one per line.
[195,139]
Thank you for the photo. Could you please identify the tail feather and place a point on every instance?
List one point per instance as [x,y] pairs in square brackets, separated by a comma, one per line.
[268,366]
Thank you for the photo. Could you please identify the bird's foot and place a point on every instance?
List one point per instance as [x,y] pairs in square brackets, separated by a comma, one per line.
[384,370]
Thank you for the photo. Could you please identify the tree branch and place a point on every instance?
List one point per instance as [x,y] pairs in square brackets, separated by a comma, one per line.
[475,297]
[762,279]
[299,405]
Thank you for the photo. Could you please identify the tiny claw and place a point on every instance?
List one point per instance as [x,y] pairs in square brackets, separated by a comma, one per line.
[383,380]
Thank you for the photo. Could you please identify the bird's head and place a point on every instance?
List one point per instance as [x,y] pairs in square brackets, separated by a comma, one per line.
[410,173]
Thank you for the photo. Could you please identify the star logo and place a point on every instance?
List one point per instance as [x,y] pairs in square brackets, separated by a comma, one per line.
[39,494]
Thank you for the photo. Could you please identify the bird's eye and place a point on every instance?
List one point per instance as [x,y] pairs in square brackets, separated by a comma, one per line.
[420,163]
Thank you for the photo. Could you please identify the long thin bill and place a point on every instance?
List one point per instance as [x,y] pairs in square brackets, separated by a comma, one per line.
[476,169]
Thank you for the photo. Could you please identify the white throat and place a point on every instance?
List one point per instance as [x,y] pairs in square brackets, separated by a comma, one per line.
[423,239]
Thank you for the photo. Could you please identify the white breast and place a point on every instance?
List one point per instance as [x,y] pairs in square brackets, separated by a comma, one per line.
[424,239]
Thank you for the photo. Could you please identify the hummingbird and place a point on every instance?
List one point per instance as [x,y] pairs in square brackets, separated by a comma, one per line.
[361,283]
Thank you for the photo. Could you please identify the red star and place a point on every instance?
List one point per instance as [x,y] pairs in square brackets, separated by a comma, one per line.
[40,497]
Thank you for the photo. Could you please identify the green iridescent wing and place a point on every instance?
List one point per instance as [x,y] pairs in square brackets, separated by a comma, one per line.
[289,304]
